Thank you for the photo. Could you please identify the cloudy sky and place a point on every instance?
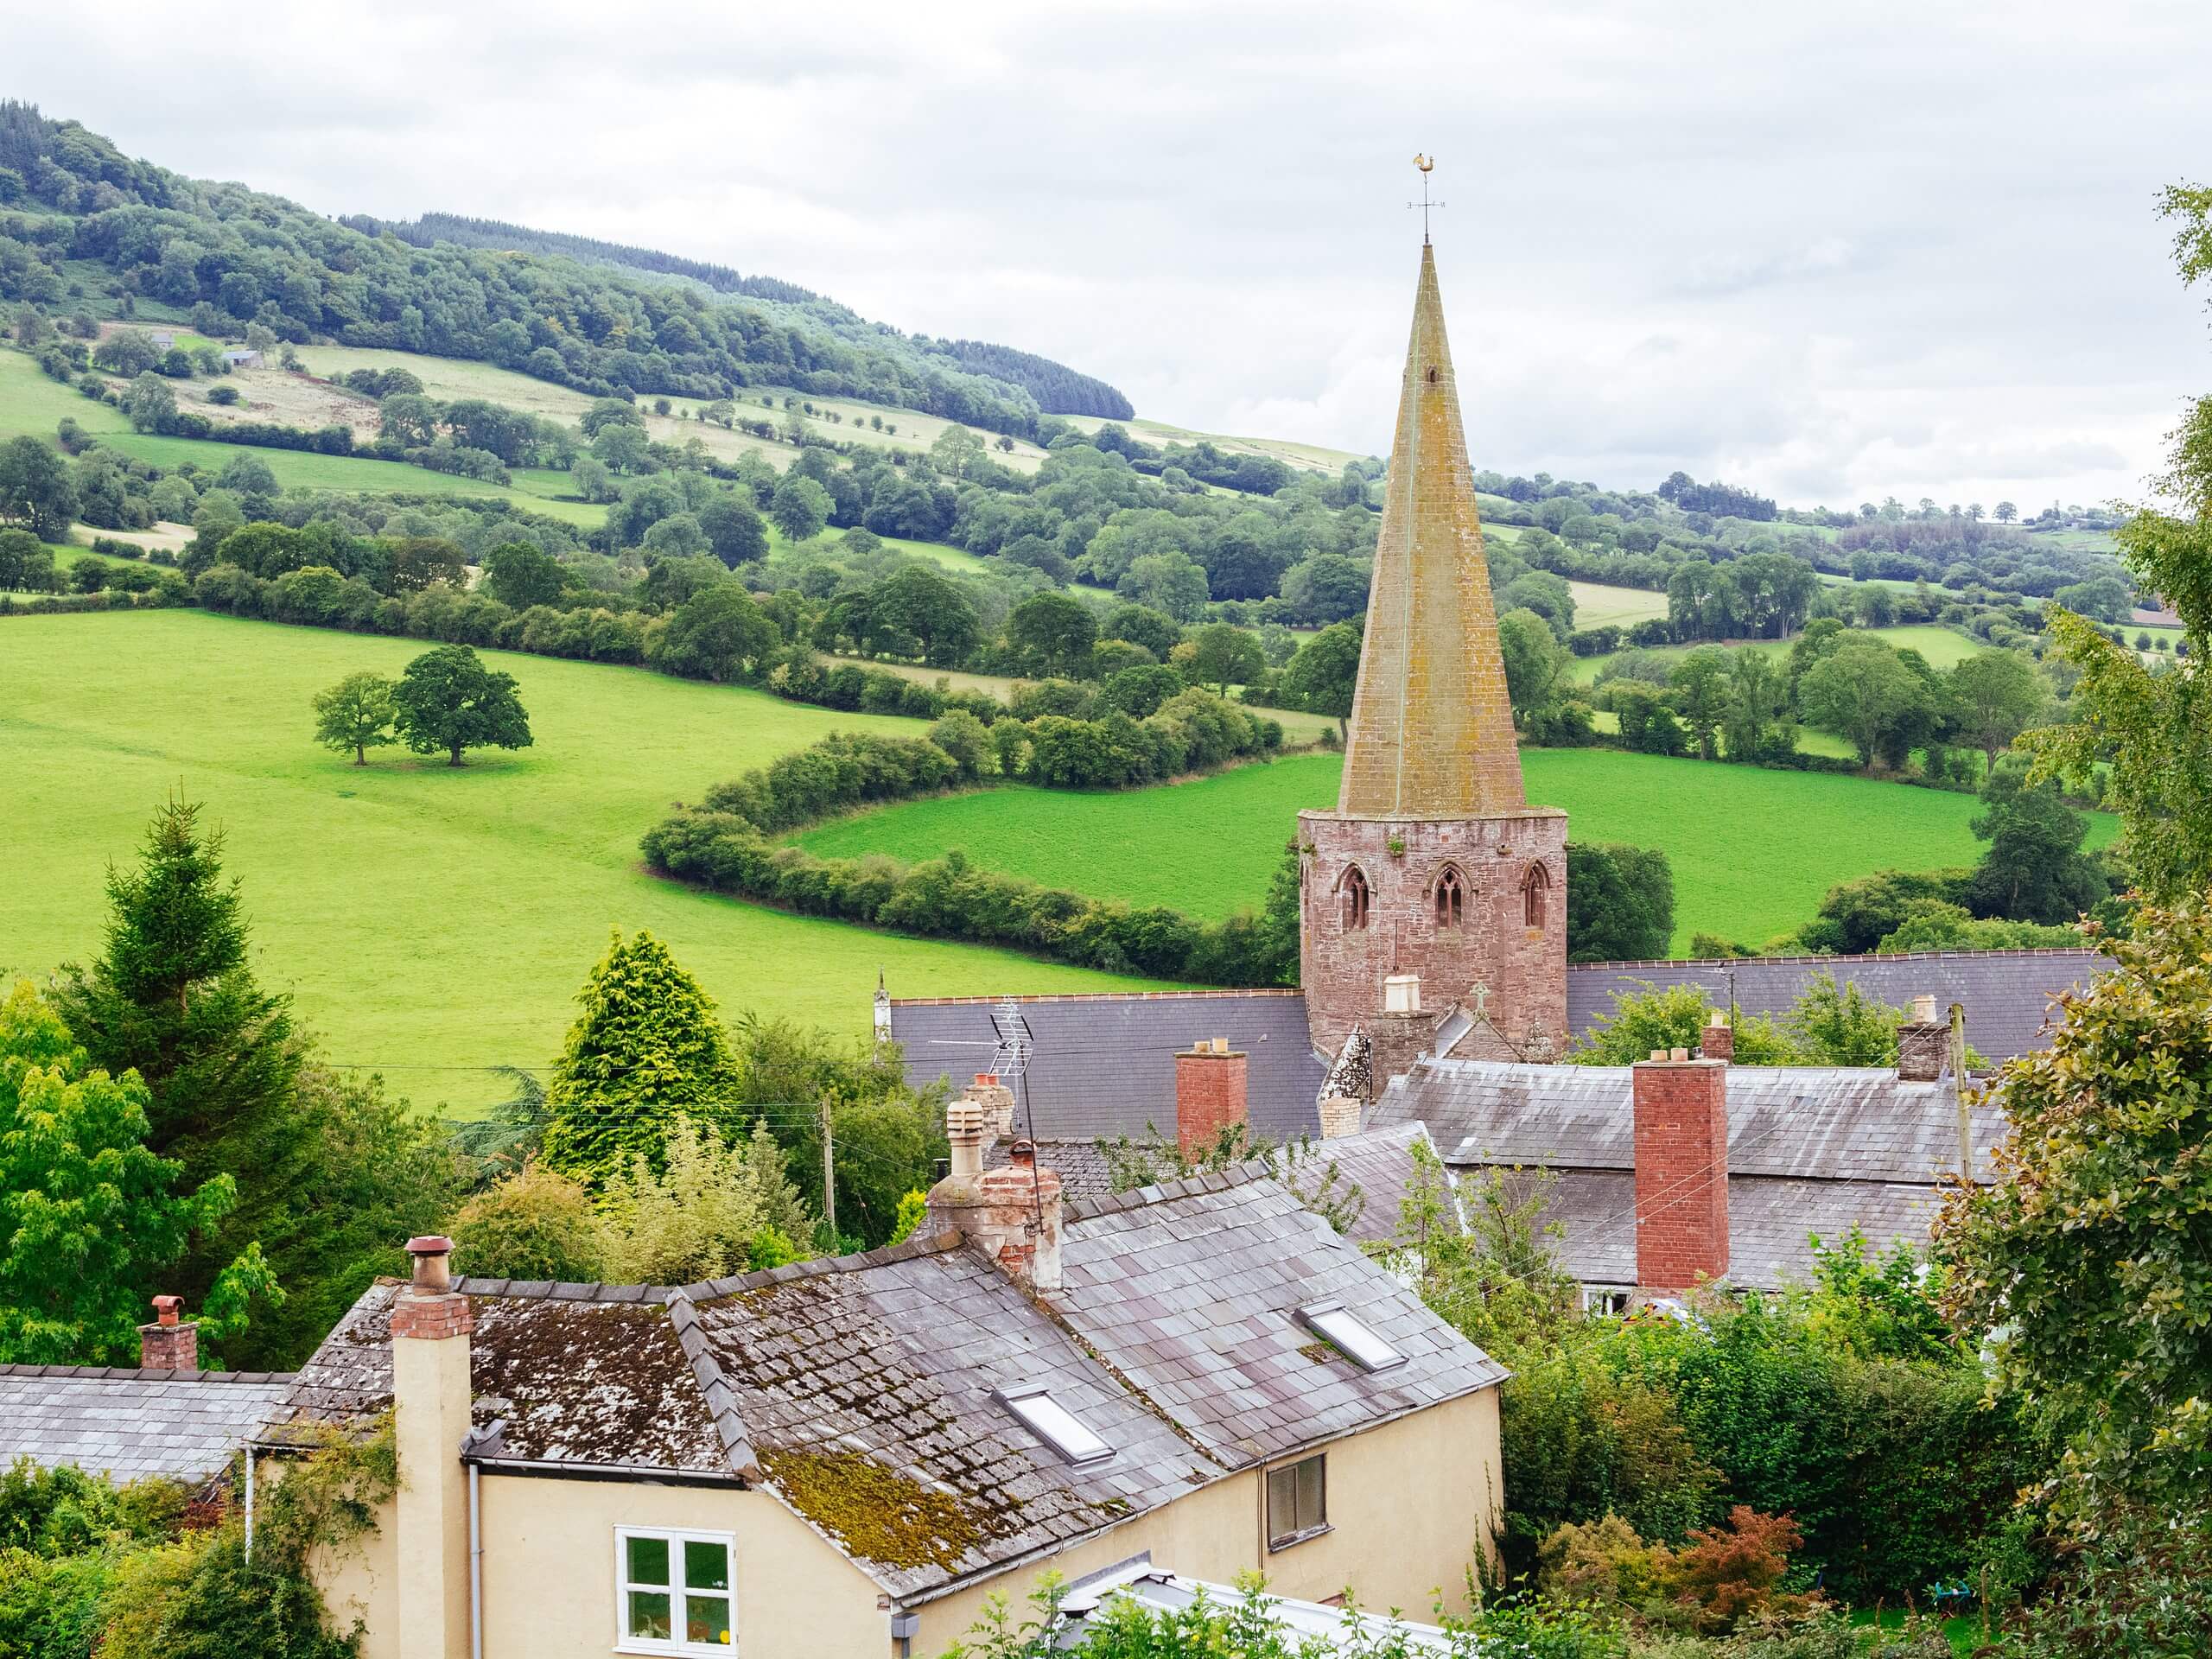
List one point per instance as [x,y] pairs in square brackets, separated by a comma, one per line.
[1879,246]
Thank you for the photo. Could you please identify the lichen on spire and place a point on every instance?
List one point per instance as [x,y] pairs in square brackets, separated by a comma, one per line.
[1432,728]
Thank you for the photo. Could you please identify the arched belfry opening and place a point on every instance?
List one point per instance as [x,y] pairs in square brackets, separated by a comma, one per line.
[1451,897]
[1535,896]
[1352,892]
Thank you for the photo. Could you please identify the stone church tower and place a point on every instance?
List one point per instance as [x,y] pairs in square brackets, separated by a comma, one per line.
[1434,897]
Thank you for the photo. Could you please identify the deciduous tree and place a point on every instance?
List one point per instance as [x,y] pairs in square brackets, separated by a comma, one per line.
[355,714]
[447,700]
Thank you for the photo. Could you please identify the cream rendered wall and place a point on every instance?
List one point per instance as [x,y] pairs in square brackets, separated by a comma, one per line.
[1406,1503]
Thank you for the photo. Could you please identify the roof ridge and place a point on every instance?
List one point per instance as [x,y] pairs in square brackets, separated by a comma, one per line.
[1900,956]
[707,1290]
[553,1290]
[1215,993]
[1205,1181]
[149,1373]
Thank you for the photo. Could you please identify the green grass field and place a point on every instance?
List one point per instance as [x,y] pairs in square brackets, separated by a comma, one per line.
[430,920]
[30,402]
[1942,647]
[1752,851]
[1598,605]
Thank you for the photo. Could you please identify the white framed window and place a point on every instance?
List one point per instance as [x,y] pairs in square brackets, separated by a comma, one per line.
[1606,1301]
[1338,1327]
[1298,1501]
[674,1591]
[1054,1424]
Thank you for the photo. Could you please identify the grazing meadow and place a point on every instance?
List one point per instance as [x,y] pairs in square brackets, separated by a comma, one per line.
[1752,851]
[436,922]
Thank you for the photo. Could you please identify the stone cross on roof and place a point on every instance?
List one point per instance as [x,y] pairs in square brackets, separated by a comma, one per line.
[1431,730]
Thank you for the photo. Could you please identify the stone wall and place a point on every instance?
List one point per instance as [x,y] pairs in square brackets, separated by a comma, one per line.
[1342,967]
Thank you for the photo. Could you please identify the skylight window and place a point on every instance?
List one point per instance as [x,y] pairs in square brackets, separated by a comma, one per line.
[1054,1424]
[1342,1331]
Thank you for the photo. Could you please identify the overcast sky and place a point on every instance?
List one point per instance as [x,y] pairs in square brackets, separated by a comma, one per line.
[1831,252]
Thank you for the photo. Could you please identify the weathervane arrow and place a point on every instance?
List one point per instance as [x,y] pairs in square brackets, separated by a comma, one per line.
[1427,165]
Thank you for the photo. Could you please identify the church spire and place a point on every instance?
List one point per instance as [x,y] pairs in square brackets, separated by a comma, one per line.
[1431,730]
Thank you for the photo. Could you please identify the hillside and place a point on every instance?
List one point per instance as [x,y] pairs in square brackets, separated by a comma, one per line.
[81,222]
[352,875]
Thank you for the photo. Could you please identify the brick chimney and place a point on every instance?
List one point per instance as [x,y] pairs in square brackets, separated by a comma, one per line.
[1016,1220]
[1924,1043]
[430,1395]
[1681,1170]
[1718,1040]
[168,1344]
[1209,1092]
[997,1102]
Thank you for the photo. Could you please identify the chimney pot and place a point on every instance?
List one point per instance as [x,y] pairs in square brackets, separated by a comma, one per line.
[168,1344]
[1402,994]
[1024,1154]
[1924,1010]
[433,1254]
[1678,1054]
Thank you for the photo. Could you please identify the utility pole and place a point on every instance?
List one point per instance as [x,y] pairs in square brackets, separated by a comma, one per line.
[829,1176]
[1958,1057]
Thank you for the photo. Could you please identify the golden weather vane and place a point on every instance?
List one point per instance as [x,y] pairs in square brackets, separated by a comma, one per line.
[1427,165]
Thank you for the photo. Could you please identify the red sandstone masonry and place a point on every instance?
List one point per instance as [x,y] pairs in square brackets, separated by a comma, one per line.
[1210,1095]
[1682,1173]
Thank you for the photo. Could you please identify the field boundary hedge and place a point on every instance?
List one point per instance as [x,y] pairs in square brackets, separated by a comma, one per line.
[729,844]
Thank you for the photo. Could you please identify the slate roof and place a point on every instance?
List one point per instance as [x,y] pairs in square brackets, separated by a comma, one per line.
[1811,1149]
[1190,1290]
[128,1425]
[1104,1065]
[1380,1163]
[2006,993]
[1081,1165]
[859,1389]
[1859,1123]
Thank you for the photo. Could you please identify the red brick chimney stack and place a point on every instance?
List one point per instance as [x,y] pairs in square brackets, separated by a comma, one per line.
[1718,1040]
[168,1344]
[1209,1092]
[429,1308]
[1681,1170]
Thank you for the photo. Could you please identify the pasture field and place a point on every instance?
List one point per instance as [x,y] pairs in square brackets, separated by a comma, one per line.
[1598,605]
[1307,457]
[1752,851]
[1943,647]
[30,403]
[431,922]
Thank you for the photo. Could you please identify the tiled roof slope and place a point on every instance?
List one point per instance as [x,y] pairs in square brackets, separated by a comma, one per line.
[1191,1290]
[1380,1163]
[1081,1165]
[1768,1222]
[1823,1123]
[579,1375]
[859,1389]
[866,1399]
[1104,1065]
[2005,994]
[129,1425]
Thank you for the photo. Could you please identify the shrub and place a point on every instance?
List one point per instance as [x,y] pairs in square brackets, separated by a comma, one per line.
[537,1224]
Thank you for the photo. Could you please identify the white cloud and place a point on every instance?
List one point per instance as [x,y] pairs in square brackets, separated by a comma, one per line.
[1885,247]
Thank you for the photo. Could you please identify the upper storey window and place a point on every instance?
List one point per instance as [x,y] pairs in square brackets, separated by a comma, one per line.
[1354,892]
[1451,897]
[1535,889]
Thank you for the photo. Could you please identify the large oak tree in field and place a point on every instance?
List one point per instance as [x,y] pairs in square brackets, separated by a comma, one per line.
[447,700]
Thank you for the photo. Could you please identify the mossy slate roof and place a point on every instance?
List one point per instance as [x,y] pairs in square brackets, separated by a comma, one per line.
[860,1390]
[128,1425]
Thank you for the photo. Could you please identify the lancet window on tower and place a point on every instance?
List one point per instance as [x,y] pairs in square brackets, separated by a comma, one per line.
[1353,890]
[1451,897]
[1535,889]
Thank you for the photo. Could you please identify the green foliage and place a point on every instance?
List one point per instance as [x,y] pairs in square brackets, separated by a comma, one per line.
[1724,1577]
[1325,673]
[647,1052]
[1620,903]
[2035,870]
[1840,1024]
[1671,1017]
[355,714]
[913,1211]
[2142,1590]
[535,1225]
[1864,691]
[711,1209]
[36,493]
[2084,1258]
[448,701]
[1855,917]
